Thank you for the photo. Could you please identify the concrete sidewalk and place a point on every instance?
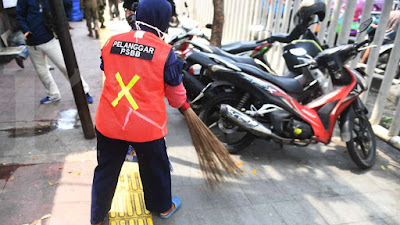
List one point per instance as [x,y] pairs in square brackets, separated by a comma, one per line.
[314,185]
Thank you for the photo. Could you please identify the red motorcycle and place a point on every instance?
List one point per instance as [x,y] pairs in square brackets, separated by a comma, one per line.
[254,108]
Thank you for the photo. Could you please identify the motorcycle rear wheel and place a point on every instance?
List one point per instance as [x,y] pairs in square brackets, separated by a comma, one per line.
[226,131]
[362,146]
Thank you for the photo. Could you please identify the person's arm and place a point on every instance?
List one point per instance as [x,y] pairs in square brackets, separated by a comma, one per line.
[102,63]
[22,11]
[173,86]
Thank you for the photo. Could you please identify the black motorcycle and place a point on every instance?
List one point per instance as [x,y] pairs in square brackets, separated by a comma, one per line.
[200,83]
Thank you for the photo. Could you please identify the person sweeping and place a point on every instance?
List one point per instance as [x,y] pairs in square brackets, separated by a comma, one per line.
[140,70]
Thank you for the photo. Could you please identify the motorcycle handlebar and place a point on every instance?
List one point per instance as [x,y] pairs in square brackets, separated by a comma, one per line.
[361,44]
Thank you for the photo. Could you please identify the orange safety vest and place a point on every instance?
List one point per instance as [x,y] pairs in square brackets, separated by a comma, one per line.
[132,106]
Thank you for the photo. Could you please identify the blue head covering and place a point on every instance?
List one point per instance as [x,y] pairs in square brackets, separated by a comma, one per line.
[155,13]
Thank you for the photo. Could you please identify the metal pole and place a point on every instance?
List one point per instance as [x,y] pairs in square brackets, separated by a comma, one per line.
[57,10]
[395,127]
[296,5]
[323,25]
[366,14]
[346,22]
[334,22]
[390,72]
[378,39]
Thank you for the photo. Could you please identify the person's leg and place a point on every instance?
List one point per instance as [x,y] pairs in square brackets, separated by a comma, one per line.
[53,51]
[68,9]
[101,16]
[95,16]
[110,157]
[25,53]
[117,9]
[155,174]
[39,61]
[88,13]
[110,6]
[365,56]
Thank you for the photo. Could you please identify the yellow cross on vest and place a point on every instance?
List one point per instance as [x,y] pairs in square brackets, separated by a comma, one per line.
[125,91]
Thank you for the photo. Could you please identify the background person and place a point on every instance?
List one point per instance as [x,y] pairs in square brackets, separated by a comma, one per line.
[90,8]
[42,44]
[390,32]
[114,11]
[130,7]
[68,10]
[101,13]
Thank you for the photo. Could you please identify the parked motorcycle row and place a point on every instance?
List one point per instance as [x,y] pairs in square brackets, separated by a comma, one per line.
[240,97]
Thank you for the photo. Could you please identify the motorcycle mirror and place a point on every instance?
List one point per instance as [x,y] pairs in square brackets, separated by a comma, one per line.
[298,51]
[364,25]
[257,28]
[209,25]
[186,5]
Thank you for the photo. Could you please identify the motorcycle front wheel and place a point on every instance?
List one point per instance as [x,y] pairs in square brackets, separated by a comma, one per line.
[231,135]
[362,146]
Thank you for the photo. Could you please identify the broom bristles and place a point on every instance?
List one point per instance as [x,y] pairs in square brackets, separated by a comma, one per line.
[214,158]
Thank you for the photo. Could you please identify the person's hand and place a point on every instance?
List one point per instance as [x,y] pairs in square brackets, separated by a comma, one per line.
[184,107]
[374,25]
[26,35]
[128,12]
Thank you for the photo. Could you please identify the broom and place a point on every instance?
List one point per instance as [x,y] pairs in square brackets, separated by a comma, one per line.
[214,158]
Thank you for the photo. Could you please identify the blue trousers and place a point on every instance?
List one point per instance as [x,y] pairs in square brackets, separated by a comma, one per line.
[154,173]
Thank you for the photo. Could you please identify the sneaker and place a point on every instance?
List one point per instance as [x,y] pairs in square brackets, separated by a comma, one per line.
[48,100]
[20,61]
[89,98]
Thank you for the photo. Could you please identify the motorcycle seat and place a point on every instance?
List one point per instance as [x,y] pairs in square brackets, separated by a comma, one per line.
[239,59]
[239,46]
[285,82]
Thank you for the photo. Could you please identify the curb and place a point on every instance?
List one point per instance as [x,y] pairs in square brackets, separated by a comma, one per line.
[383,134]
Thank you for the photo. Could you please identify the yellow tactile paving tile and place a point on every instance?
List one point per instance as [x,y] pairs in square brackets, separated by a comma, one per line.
[128,207]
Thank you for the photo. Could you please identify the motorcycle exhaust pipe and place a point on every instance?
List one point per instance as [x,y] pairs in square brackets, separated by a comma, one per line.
[246,122]
[253,126]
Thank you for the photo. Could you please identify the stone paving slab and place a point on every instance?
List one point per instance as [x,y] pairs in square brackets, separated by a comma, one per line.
[298,212]
[392,220]
[68,213]
[2,185]
[15,213]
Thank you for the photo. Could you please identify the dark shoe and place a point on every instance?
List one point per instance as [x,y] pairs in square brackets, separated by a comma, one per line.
[96,32]
[102,26]
[48,100]
[90,34]
[89,98]
[20,61]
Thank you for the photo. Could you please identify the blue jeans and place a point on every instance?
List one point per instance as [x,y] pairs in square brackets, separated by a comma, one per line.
[154,173]
[18,40]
